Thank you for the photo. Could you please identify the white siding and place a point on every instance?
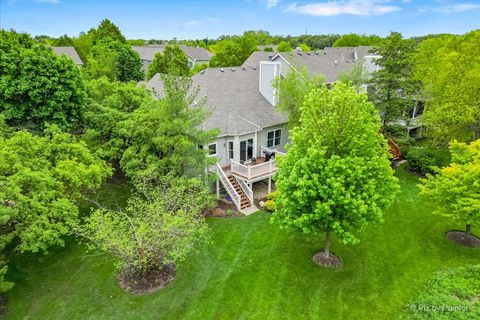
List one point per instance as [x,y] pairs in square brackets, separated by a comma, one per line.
[268,72]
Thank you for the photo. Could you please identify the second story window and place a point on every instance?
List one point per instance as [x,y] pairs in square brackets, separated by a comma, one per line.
[274,138]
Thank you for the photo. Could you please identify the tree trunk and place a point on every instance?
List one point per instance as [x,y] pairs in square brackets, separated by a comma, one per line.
[467,231]
[328,240]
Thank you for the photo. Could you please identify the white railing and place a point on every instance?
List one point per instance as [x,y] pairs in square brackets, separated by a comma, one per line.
[262,149]
[228,186]
[246,189]
[253,171]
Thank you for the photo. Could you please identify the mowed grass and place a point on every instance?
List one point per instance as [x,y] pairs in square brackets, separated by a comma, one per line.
[252,270]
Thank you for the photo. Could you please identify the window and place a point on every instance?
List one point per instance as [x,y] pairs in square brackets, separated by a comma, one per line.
[230,149]
[212,149]
[274,138]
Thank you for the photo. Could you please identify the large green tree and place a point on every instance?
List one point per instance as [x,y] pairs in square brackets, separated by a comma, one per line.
[455,190]
[110,103]
[107,29]
[449,68]
[394,85]
[336,176]
[156,230]
[163,135]
[36,85]
[115,60]
[171,61]
[41,181]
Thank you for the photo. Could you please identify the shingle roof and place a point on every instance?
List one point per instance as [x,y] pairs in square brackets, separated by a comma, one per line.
[238,106]
[328,62]
[257,56]
[69,52]
[196,53]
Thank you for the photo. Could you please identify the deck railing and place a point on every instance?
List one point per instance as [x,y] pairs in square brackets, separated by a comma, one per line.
[253,171]
[228,186]
[263,149]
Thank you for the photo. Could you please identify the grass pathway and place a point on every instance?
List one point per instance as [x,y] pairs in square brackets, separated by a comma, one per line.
[253,270]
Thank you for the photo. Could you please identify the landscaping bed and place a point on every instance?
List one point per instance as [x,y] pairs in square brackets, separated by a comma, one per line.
[224,209]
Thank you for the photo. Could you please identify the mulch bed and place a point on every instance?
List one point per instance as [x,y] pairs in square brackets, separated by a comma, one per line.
[155,280]
[459,238]
[331,262]
[221,209]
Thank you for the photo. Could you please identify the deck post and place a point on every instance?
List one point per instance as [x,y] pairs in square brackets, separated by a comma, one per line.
[218,185]
[270,184]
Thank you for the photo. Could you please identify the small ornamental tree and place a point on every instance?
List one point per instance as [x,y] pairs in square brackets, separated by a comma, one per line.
[156,231]
[456,189]
[336,176]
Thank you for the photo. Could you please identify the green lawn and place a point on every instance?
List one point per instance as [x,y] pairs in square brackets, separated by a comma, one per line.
[253,270]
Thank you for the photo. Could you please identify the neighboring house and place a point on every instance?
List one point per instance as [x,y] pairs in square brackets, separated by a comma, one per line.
[195,55]
[69,52]
[329,62]
[243,101]
[257,56]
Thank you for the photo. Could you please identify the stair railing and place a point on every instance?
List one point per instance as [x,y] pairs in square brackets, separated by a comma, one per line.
[246,189]
[228,186]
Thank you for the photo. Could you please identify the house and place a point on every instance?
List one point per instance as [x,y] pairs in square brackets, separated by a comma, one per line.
[69,52]
[195,55]
[252,131]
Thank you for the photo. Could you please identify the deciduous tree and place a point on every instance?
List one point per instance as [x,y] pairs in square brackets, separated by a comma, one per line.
[36,85]
[172,61]
[115,60]
[163,135]
[336,175]
[156,230]
[41,181]
[449,68]
[455,190]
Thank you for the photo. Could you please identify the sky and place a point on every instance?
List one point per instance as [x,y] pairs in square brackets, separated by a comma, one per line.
[190,19]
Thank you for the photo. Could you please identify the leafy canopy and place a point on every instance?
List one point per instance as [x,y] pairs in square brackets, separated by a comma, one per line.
[36,85]
[284,46]
[172,61]
[163,135]
[356,40]
[455,189]
[336,175]
[292,91]
[115,60]
[111,102]
[41,181]
[449,68]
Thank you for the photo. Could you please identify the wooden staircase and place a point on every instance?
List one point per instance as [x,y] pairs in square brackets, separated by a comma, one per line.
[394,149]
[244,201]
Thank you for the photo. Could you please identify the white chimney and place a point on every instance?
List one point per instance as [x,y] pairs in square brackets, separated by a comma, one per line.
[269,70]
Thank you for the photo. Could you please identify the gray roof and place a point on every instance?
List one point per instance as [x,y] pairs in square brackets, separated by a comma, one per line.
[328,62]
[257,56]
[196,53]
[237,105]
[69,52]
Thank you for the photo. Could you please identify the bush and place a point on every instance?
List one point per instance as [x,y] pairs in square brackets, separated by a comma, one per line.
[451,294]
[228,212]
[270,205]
[272,195]
[423,160]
